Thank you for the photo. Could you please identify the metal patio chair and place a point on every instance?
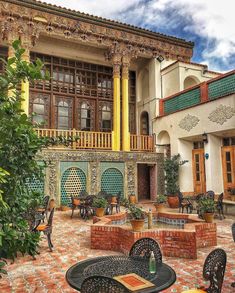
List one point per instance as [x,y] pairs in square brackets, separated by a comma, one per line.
[213,271]
[144,247]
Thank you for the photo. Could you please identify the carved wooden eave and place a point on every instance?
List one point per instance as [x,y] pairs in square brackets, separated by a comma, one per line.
[27,19]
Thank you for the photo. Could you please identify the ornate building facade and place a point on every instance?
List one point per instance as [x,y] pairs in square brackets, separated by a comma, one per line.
[108,86]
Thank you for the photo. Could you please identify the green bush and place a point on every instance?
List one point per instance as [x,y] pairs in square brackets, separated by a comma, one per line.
[100,202]
[136,213]
[171,168]
[161,199]
[207,205]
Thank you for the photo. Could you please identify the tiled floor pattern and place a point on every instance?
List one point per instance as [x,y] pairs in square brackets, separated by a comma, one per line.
[71,242]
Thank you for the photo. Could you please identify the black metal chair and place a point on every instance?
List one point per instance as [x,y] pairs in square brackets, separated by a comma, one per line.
[83,194]
[198,209]
[101,284]
[220,206]
[144,247]
[184,203]
[213,271]
[210,194]
[75,203]
[233,231]
[43,209]
[47,229]
[86,207]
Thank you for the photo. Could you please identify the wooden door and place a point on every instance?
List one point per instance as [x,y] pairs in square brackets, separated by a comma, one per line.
[199,177]
[143,182]
[228,161]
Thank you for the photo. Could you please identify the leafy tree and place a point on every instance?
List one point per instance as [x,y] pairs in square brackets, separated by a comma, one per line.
[171,168]
[19,145]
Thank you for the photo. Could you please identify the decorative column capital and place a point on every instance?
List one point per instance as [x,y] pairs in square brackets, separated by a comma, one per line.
[114,54]
[19,29]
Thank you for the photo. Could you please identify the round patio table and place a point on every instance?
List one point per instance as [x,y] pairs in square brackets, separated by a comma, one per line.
[116,265]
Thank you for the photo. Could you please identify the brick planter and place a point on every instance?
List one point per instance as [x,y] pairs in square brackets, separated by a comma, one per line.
[174,242]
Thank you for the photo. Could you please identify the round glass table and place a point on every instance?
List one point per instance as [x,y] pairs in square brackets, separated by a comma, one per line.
[116,265]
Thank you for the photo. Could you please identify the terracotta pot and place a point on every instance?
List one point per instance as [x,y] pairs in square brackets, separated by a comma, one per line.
[137,225]
[113,199]
[160,207]
[132,199]
[100,212]
[208,217]
[173,201]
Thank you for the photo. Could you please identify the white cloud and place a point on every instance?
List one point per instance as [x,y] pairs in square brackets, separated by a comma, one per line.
[211,20]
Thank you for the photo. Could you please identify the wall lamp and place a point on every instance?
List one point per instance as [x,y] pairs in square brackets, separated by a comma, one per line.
[160,58]
[204,138]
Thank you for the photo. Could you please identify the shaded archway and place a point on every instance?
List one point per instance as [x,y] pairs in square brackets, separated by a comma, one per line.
[144,123]
[190,81]
[164,142]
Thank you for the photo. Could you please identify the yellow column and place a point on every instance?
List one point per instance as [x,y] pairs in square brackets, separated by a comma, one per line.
[125,108]
[25,87]
[11,53]
[116,107]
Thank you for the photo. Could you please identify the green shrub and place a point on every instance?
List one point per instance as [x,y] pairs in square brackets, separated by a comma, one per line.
[161,199]
[136,213]
[100,202]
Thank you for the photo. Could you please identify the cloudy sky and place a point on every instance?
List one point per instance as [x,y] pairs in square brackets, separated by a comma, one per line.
[208,23]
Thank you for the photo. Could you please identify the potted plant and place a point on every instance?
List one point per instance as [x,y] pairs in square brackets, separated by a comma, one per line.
[132,199]
[207,209]
[160,203]
[232,193]
[100,205]
[171,168]
[137,216]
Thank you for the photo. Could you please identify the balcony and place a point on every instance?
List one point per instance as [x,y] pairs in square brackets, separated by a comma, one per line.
[219,87]
[98,140]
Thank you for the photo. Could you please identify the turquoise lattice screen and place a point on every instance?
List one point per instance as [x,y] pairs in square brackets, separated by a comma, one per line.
[73,181]
[182,101]
[112,181]
[35,184]
[221,87]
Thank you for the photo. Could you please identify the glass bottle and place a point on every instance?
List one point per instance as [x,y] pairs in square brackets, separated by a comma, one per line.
[152,263]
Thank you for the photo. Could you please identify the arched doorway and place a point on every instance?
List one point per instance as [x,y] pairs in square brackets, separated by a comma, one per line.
[144,123]
[112,181]
[73,181]
[163,141]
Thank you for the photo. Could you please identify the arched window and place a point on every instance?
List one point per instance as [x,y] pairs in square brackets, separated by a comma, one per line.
[85,116]
[39,110]
[144,123]
[106,118]
[63,115]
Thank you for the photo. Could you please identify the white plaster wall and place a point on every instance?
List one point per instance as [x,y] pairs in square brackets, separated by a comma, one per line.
[214,174]
[181,140]
[185,171]
[170,81]
[173,77]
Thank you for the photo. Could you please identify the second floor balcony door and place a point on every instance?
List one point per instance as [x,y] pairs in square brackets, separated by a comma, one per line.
[63,112]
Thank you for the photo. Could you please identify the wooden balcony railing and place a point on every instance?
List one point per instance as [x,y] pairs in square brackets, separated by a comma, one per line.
[86,139]
[143,143]
[98,140]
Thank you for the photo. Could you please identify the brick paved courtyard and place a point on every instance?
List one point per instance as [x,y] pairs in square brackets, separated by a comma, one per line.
[71,239]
